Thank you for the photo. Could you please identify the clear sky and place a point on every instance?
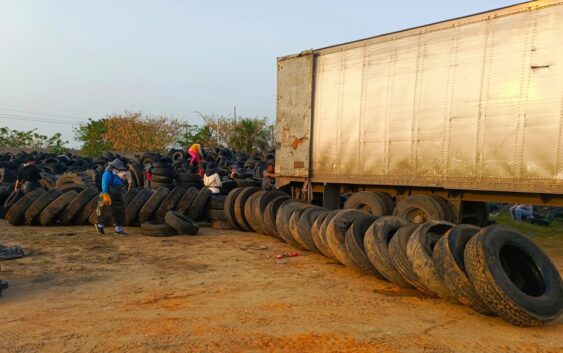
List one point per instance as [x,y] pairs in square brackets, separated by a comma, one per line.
[77,59]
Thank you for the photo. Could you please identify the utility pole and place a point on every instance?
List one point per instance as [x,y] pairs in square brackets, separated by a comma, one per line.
[235,115]
[218,139]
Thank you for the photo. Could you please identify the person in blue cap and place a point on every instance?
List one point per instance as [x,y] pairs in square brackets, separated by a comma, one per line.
[114,182]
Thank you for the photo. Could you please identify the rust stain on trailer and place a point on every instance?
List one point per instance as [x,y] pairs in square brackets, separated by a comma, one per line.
[297,142]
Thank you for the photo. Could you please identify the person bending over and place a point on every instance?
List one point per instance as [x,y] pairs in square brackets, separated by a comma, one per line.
[28,176]
[114,184]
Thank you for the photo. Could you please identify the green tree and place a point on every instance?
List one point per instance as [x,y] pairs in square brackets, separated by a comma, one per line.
[91,134]
[32,140]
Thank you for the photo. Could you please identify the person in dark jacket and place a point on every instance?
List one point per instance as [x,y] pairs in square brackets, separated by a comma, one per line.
[28,176]
[114,185]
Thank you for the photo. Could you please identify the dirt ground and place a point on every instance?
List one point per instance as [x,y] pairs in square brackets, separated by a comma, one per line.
[223,291]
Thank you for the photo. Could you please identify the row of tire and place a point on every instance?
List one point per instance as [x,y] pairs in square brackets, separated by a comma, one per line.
[494,270]
[161,212]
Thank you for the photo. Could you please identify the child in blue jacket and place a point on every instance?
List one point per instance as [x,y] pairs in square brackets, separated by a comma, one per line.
[114,182]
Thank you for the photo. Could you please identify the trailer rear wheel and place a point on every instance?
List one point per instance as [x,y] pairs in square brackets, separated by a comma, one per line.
[475,213]
[419,209]
[375,203]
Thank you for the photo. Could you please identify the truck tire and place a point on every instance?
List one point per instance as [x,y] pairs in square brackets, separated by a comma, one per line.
[476,213]
[398,254]
[305,226]
[419,251]
[76,205]
[419,209]
[316,229]
[448,258]
[221,225]
[50,213]
[129,196]
[216,215]
[12,199]
[31,215]
[163,172]
[182,224]
[249,206]
[270,215]
[294,221]
[198,206]
[514,277]
[84,214]
[239,207]
[323,245]
[186,201]
[376,243]
[132,210]
[448,211]
[151,205]
[230,208]
[282,220]
[16,215]
[354,242]
[169,203]
[217,202]
[72,187]
[375,203]
[336,235]
[258,211]
[154,229]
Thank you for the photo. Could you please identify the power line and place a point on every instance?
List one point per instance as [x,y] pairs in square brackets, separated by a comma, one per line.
[45,114]
[50,121]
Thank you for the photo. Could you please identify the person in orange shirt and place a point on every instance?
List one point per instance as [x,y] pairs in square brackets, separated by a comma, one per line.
[196,152]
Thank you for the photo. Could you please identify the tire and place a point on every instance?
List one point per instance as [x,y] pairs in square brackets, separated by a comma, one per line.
[354,242]
[336,235]
[284,215]
[156,185]
[50,213]
[149,208]
[84,214]
[249,206]
[186,201]
[76,205]
[216,215]
[315,231]
[238,208]
[16,215]
[322,245]
[138,174]
[187,177]
[376,203]
[305,226]
[294,225]
[419,209]
[270,214]
[154,229]
[197,207]
[31,215]
[12,199]
[169,203]
[129,196]
[230,208]
[448,211]
[398,253]
[259,208]
[419,251]
[221,225]
[162,179]
[217,202]
[448,258]
[132,210]
[514,277]
[72,187]
[182,224]
[163,172]
[376,243]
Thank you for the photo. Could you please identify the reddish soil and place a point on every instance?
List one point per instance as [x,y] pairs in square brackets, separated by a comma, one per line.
[223,291]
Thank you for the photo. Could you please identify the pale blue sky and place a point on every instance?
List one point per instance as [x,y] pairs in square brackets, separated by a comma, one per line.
[81,59]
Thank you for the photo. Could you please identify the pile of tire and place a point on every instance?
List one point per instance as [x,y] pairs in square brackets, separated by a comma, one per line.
[494,270]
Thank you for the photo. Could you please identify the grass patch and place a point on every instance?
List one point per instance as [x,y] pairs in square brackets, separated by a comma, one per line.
[554,229]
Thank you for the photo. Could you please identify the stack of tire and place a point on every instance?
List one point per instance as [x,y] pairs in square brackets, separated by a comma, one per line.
[162,176]
[187,180]
[215,212]
[494,270]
